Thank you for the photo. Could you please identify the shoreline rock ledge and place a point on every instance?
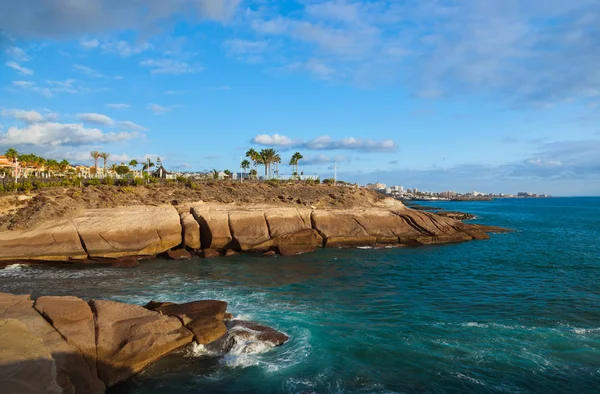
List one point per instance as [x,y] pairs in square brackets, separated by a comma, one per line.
[65,345]
[213,229]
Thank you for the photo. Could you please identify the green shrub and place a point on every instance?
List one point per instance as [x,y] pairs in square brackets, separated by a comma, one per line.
[329,181]
[139,181]
[9,187]
[109,181]
[93,182]
[181,179]
[26,186]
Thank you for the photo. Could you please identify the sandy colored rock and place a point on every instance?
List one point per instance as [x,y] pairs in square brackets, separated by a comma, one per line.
[136,230]
[250,230]
[209,253]
[303,241]
[191,231]
[26,365]
[285,221]
[54,241]
[191,310]
[72,371]
[214,227]
[207,329]
[339,228]
[74,320]
[179,254]
[130,337]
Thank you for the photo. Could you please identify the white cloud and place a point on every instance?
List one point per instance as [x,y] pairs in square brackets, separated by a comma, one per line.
[129,125]
[98,119]
[23,115]
[57,134]
[118,106]
[17,53]
[326,143]
[32,86]
[158,109]
[322,159]
[90,44]
[66,86]
[314,67]
[273,140]
[90,72]
[169,66]
[20,69]
[126,49]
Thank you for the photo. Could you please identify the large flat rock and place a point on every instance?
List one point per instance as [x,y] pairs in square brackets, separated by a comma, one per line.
[249,230]
[72,372]
[340,228]
[74,320]
[129,231]
[55,241]
[26,365]
[214,226]
[130,337]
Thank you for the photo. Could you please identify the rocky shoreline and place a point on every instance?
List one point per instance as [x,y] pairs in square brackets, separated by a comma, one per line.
[65,345]
[212,229]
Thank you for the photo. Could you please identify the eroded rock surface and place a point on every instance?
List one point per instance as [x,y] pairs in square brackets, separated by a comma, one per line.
[130,337]
[126,231]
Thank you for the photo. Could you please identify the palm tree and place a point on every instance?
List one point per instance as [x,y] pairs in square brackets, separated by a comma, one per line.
[51,165]
[11,154]
[245,165]
[145,166]
[253,156]
[63,165]
[296,157]
[133,163]
[113,168]
[105,157]
[95,155]
[25,160]
[215,174]
[267,157]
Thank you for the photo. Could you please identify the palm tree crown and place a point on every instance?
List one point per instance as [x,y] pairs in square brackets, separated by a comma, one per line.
[95,155]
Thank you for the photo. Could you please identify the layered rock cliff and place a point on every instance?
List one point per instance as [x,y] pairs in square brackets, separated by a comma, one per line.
[248,228]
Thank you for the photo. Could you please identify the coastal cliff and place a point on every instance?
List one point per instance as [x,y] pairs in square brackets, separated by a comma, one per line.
[65,345]
[146,231]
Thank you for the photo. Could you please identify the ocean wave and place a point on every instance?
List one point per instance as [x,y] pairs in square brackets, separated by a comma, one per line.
[15,267]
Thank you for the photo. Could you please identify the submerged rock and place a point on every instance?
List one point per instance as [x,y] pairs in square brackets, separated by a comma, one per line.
[179,254]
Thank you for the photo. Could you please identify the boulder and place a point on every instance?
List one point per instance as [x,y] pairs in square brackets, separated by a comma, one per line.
[74,320]
[26,365]
[248,337]
[130,337]
[191,231]
[191,310]
[179,254]
[126,262]
[214,227]
[303,241]
[339,228]
[209,253]
[207,329]
[126,231]
[73,373]
[53,241]
[230,253]
[250,230]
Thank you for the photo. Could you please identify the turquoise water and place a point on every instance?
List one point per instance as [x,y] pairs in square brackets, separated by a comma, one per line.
[514,314]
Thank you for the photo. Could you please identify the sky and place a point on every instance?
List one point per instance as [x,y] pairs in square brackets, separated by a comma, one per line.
[463,95]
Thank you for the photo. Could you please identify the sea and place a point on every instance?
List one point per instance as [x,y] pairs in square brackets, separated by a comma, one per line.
[519,313]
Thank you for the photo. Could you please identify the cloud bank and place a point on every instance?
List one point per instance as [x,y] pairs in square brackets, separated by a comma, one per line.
[325,143]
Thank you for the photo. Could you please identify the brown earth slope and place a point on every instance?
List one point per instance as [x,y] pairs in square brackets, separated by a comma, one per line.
[20,212]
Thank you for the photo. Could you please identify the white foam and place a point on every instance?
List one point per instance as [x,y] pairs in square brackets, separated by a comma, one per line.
[15,267]
[585,331]
[197,350]
[469,378]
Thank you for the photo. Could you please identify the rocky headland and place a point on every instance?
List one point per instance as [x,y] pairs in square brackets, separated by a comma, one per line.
[286,224]
[65,345]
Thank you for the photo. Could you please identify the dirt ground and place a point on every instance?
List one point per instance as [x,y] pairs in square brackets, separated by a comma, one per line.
[24,211]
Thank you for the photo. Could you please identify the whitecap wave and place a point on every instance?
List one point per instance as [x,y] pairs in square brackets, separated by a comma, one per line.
[15,267]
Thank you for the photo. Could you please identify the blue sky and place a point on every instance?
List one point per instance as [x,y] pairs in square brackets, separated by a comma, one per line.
[441,95]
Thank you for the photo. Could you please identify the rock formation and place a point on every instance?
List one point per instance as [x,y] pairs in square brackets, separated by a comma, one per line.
[213,229]
[65,345]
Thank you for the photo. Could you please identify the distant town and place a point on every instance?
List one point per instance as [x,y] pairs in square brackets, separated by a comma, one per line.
[420,195]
